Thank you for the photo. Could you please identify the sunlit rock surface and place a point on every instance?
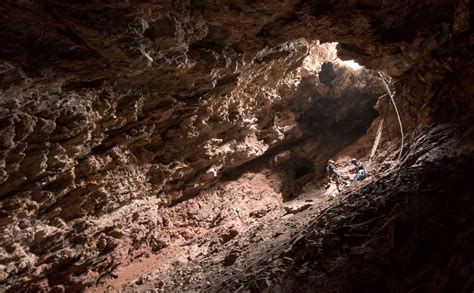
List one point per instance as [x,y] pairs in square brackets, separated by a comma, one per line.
[110,110]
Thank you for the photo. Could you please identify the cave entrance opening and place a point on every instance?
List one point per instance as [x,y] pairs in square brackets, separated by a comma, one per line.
[352,64]
[335,105]
[325,108]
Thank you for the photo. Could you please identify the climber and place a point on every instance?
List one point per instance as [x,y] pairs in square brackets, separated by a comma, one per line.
[360,170]
[331,168]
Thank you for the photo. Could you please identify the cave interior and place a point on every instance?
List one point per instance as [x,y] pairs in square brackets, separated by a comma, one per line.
[170,146]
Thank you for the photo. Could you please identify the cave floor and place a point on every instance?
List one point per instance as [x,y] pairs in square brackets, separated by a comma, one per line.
[196,263]
[361,240]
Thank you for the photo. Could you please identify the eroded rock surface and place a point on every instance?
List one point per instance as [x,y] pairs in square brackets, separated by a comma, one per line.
[111,110]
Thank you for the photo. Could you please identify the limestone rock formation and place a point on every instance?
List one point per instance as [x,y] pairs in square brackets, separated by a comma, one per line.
[113,113]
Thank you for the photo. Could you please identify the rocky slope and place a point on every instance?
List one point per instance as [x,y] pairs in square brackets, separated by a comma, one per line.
[112,112]
[405,230]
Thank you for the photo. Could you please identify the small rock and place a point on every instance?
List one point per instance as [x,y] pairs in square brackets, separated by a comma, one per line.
[142,280]
[229,235]
[296,208]
[230,259]
[259,213]
[58,289]
[115,233]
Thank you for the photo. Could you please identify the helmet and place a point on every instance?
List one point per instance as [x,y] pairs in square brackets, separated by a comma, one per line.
[330,162]
[353,160]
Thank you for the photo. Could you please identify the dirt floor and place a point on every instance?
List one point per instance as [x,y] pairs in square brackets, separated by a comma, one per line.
[256,227]
[386,232]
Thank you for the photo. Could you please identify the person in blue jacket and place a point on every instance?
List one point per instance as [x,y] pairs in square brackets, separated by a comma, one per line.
[360,171]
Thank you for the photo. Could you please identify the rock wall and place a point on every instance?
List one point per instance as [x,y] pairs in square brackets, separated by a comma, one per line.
[410,230]
[105,104]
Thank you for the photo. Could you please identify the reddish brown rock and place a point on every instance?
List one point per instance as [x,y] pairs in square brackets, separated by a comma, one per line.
[116,117]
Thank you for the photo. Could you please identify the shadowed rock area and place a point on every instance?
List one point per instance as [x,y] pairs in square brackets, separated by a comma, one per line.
[132,129]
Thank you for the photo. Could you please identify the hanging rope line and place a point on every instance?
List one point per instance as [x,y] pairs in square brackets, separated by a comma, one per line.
[391,95]
[376,141]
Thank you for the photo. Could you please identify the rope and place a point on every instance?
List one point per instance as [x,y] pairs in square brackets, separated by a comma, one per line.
[391,95]
[376,141]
